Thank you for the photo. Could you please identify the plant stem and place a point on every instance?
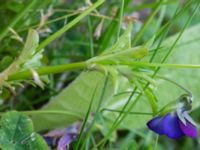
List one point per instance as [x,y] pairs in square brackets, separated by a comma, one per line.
[81,65]
[131,113]
[154,65]
[91,37]
[35,112]
[48,70]
[120,18]
[156,142]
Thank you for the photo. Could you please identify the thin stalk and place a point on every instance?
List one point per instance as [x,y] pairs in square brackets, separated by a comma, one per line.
[92,14]
[38,112]
[81,65]
[97,109]
[131,113]
[175,83]
[156,142]
[48,70]
[48,21]
[86,119]
[91,37]
[120,18]
[75,12]
[155,65]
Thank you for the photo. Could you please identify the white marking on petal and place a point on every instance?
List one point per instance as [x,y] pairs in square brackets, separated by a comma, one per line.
[180,116]
[188,118]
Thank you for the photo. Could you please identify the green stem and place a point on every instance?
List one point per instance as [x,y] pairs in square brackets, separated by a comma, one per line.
[68,26]
[48,70]
[131,113]
[73,13]
[91,37]
[49,21]
[175,83]
[155,65]
[120,18]
[32,112]
[156,143]
[81,65]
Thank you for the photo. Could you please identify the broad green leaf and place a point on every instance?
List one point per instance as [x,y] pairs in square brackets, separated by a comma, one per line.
[16,132]
[74,99]
[186,51]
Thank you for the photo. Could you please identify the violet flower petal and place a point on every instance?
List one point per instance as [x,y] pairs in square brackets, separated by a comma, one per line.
[189,129]
[65,141]
[56,133]
[155,125]
[188,118]
[49,141]
[171,126]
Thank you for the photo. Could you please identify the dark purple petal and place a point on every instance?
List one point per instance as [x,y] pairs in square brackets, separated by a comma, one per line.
[65,141]
[50,141]
[155,125]
[189,129]
[171,126]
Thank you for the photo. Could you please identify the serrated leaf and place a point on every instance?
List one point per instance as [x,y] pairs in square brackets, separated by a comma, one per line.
[16,132]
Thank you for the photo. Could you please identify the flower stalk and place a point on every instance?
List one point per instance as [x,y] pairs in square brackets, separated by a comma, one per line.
[48,70]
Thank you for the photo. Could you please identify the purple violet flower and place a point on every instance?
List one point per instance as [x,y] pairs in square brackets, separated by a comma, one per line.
[175,124]
[63,137]
[65,140]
